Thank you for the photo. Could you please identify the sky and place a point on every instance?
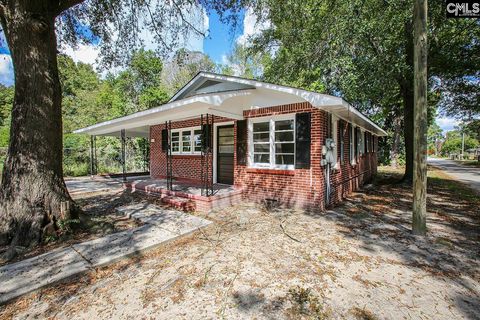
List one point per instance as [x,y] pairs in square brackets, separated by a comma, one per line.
[218,44]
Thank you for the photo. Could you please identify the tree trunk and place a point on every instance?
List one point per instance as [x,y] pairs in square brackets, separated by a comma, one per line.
[421,119]
[395,150]
[408,103]
[32,187]
[406,87]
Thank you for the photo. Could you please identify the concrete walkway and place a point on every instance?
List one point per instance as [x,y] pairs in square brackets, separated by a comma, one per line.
[468,175]
[161,225]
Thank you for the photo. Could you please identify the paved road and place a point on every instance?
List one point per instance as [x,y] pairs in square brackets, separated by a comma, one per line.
[466,174]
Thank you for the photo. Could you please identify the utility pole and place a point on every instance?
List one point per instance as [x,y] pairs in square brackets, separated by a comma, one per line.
[419,225]
[463,144]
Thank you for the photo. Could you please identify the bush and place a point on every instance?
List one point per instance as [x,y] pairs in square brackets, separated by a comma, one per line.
[76,169]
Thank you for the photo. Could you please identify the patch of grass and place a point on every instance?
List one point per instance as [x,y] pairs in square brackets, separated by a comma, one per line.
[470,163]
[440,181]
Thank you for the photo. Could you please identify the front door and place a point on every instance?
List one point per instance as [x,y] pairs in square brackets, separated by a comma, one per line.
[225,154]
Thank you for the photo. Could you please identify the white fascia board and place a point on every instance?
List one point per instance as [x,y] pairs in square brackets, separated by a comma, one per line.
[322,101]
[171,111]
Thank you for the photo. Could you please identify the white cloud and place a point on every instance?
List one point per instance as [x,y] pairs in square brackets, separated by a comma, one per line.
[251,27]
[197,16]
[6,70]
[447,124]
[84,53]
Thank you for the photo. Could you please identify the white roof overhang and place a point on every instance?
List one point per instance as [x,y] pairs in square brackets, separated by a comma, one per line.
[248,95]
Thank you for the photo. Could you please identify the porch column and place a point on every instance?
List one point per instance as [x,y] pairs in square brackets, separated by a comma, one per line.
[124,162]
[93,159]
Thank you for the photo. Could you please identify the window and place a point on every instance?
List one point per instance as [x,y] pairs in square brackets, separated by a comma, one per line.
[342,142]
[261,142]
[357,147]
[197,140]
[284,142]
[366,142]
[273,142]
[175,141]
[186,141]
[360,141]
[351,145]
[336,140]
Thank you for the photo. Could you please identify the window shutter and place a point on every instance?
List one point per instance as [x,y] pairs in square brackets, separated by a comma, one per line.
[206,136]
[366,142]
[302,140]
[242,142]
[164,140]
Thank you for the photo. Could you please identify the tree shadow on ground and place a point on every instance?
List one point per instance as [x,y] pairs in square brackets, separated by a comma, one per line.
[380,218]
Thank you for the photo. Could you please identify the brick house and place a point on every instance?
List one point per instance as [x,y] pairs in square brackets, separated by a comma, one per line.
[265,142]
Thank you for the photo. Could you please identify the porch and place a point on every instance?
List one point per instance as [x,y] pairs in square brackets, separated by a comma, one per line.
[185,195]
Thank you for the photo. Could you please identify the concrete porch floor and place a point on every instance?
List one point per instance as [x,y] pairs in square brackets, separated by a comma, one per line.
[82,185]
[147,183]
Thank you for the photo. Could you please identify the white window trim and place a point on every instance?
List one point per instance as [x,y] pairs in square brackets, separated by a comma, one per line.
[192,145]
[335,139]
[272,120]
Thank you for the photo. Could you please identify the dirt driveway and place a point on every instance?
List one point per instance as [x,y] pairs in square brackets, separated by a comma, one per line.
[357,262]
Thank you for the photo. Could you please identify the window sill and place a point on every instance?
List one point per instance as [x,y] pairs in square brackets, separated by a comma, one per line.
[283,172]
[185,156]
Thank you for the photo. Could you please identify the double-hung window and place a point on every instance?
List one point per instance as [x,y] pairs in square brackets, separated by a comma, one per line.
[272,142]
[351,145]
[341,134]
[175,142]
[186,141]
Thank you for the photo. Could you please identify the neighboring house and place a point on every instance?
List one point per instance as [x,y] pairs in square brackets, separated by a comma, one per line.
[271,142]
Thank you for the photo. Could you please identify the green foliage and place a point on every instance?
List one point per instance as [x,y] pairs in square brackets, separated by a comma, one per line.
[453,143]
[363,51]
[243,62]
[183,67]
[6,102]
[67,225]
[4,136]
[434,134]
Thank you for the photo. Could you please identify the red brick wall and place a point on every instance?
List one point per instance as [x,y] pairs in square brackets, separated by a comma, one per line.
[348,177]
[299,187]
[184,167]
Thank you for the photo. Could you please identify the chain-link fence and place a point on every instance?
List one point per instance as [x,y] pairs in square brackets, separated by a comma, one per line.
[76,161]
[108,159]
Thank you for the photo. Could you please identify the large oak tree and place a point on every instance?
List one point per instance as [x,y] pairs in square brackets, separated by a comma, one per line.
[32,187]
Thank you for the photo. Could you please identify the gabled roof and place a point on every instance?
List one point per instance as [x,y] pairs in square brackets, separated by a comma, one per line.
[227,96]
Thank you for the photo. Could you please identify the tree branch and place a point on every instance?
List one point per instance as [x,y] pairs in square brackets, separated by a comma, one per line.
[186,21]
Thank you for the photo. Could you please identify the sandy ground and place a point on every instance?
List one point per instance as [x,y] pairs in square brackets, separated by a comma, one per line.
[357,262]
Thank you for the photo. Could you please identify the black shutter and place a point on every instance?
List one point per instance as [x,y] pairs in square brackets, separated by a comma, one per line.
[164,140]
[242,142]
[206,136]
[366,142]
[302,140]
